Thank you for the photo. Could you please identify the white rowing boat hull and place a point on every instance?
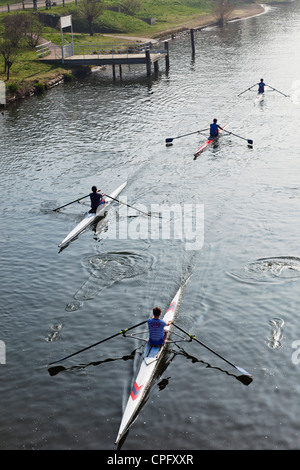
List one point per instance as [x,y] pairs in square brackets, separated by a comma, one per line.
[208,143]
[259,97]
[90,218]
[142,383]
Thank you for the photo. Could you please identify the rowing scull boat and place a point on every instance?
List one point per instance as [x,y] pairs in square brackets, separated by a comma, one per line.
[89,219]
[151,360]
[208,142]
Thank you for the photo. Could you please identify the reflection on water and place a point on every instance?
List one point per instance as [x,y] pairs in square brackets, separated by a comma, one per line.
[54,370]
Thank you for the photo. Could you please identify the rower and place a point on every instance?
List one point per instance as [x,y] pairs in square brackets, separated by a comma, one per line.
[96,199]
[261,86]
[157,328]
[214,129]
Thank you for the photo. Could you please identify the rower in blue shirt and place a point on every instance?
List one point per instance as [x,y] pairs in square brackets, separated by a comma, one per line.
[214,129]
[157,328]
[96,200]
[261,86]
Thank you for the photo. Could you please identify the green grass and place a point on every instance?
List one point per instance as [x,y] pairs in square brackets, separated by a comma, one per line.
[169,14]
[28,68]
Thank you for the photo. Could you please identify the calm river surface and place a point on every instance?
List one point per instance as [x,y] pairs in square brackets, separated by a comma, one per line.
[242,297]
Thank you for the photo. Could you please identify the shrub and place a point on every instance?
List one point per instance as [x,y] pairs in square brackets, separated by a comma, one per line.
[68,77]
[12,88]
[39,88]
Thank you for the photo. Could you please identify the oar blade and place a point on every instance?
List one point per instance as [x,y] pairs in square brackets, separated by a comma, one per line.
[169,140]
[243,371]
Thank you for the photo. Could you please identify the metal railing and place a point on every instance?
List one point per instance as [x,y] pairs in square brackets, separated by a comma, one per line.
[43,49]
[111,49]
[96,50]
[35,5]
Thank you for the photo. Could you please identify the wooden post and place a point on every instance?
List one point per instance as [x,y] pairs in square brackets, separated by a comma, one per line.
[114,71]
[192,40]
[120,70]
[148,63]
[167,56]
[156,66]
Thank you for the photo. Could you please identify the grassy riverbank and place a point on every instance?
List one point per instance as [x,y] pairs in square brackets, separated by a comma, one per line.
[172,16]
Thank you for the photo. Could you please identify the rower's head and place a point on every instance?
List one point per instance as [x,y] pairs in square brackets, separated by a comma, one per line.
[94,189]
[261,79]
[215,121]
[156,312]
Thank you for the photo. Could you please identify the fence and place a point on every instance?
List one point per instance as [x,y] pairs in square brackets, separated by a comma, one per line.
[84,50]
[43,49]
[34,5]
[111,49]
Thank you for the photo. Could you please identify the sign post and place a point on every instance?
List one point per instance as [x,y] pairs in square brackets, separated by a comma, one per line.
[65,22]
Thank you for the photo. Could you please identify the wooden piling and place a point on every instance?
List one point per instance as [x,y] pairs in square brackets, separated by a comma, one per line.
[148,63]
[167,54]
[192,41]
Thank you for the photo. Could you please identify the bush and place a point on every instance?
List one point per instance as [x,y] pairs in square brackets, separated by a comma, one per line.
[12,88]
[39,88]
[68,77]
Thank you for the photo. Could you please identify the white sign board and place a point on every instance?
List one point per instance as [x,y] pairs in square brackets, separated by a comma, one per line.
[65,21]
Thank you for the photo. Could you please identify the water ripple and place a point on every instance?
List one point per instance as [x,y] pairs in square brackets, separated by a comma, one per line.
[107,268]
[53,335]
[276,335]
[272,270]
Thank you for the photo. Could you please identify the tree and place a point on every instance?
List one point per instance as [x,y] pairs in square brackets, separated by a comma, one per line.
[221,10]
[9,53]
[19,29]
[33,30]
[14,28]
[90,10]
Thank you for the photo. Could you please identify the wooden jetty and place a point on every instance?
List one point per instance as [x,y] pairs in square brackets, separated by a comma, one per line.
[96,55]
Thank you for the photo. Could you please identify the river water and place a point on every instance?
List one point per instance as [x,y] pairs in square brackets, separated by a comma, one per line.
[242,260]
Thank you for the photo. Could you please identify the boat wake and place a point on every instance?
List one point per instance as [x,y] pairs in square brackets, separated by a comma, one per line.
[272,270]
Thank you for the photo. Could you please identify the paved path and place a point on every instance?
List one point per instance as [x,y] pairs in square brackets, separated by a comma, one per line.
[132,38]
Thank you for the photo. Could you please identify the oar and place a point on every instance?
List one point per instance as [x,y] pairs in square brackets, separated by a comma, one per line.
[247,89]
[243,371]
[277,91]
[120,202]
[184,135]
[76,200]
[250,142]
[122,332]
